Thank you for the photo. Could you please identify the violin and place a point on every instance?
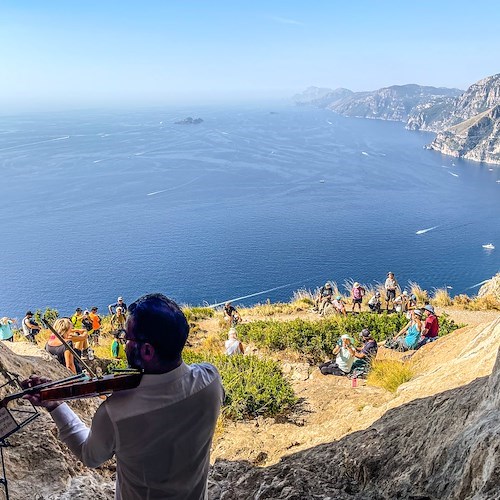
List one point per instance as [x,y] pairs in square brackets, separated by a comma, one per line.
[79,387]
[102,386]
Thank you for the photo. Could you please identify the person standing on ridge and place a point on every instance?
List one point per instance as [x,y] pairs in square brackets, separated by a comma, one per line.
[357,294]
[119,303]
[118,320]
[96,325]
[161,431]
[6,329]
[391,285]
[231,315]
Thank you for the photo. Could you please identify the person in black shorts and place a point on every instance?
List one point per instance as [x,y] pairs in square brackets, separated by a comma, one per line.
[391,285]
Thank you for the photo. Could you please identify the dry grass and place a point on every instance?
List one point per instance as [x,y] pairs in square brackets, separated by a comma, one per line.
[441,298]
[416,289]
[390,374]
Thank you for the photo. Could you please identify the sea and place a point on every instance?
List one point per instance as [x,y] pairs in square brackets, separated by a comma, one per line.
[252,204]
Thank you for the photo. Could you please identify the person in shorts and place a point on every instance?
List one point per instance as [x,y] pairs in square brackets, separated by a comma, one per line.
[357,294]
[30,327]
[391,285]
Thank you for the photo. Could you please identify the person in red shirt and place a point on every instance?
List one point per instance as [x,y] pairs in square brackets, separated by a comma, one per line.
[431,327]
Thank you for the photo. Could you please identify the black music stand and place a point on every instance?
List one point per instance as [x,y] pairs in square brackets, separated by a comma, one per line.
[11,420]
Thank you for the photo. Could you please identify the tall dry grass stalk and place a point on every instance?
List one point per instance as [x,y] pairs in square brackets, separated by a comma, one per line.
[390,374]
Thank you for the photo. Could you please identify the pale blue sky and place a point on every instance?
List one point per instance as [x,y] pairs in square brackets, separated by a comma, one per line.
[95,52]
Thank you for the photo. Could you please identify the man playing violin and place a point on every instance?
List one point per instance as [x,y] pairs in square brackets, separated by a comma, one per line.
[160,432]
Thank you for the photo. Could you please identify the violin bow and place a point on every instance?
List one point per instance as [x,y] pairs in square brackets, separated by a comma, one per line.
[69,347]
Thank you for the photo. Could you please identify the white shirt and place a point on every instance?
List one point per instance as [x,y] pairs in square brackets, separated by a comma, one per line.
[344,359]
[232,347]
[160,432]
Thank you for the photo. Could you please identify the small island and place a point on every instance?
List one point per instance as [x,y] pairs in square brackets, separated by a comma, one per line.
[189,121]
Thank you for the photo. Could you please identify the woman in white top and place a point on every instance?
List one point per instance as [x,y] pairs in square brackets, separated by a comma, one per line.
[233,345]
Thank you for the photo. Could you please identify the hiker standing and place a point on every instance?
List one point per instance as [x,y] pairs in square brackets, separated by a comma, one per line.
[391,286]
[231,315]
[357,294]
[6,329]
[96,325]
[118,320]
[119,303]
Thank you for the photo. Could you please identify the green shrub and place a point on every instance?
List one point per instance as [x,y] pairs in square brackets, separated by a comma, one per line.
[447,325]
[317,339]
[197,313]
[389,374]
[50,314]
[253,386]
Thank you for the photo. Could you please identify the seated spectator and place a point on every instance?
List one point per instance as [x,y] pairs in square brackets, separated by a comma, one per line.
[118,320]
[345,356]
[118,345]
[413,331]
[30,327]
[6,329]
[357,294]
[364,355]
[401,302]
[233,345]
[339,305]
[375,304]
[231,315]
[431,327]
[324,298]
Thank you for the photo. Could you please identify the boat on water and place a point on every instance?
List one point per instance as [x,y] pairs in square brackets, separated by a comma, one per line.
[489,246]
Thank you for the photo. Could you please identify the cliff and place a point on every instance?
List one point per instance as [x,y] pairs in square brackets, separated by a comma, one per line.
[390,103]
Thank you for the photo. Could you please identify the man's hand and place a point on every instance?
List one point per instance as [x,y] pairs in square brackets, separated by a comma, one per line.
[34,398]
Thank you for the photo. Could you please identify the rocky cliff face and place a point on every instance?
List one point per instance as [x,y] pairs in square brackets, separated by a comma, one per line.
[391,103]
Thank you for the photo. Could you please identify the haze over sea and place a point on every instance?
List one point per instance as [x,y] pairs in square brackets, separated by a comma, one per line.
[101,204]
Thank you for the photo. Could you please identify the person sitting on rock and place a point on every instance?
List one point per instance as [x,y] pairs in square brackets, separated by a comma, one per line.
[325,297]
[412,331]
[431,327]
[364,355]
[375,303]
[339,305]
[233,345]
[231,314]
[357,294]
[345,356]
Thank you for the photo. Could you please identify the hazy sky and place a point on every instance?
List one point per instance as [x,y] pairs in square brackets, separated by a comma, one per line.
[86,52]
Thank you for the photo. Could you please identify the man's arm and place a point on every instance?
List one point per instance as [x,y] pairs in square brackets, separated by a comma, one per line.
[91,446]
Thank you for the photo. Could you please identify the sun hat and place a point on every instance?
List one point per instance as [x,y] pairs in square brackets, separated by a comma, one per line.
[29,313]
[418,312]
[390,272]
[377,294]
[120,298]
[405,293]
[86,311]
[365,333]
[78,309]
[356,284]
[328,285]
[345,337]
[338,297]
[429,308]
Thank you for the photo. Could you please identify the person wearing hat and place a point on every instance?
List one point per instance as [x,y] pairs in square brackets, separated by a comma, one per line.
[76,319]
[119,303]
[357,294]
[118,320]
[325,297]
[30,327]
[339,305]
[345,357]
[401,302]
[364,355]
[375,304]
[412,332]
[391,285]
[431,326]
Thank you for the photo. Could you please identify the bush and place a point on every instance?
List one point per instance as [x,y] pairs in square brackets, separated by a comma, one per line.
[441,298]
[317,339]
[50,314]
[389,374]
[197,313]
[253,386]
[447,325]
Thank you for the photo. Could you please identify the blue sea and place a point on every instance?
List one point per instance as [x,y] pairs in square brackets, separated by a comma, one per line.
[255,202]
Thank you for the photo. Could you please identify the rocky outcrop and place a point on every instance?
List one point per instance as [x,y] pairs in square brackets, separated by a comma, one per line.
[189,121]
[476,139]
[321,97]
[437,446]
[491,287]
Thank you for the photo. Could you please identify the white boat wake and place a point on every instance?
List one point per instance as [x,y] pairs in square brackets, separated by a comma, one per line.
[173,188]
[423,231]
[35,143]
[477,284]
[364,153]
[454,175]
